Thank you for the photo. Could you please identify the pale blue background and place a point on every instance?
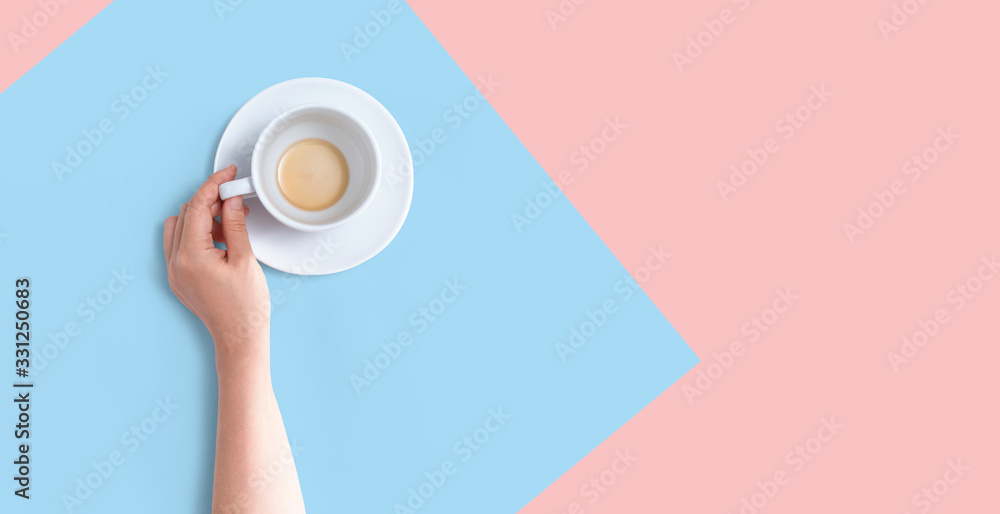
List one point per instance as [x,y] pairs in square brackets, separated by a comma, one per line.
[492,348]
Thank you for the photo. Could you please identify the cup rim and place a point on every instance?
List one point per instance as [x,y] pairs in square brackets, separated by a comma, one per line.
[271,130]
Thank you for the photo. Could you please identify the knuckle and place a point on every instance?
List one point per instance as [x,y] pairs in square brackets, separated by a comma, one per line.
[235,225]
[196,209]
[183,264]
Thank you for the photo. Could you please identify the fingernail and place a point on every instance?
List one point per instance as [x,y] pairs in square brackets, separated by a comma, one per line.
[236,202]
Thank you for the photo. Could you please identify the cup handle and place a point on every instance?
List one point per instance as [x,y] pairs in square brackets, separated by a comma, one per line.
[243,186]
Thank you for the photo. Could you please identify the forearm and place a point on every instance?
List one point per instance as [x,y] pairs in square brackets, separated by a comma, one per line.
[227,290]
[254,468]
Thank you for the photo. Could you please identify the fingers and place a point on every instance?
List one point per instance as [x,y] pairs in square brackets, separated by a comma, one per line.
[168,236]
[217,209]
[178,230]
[217,234]
[198,223]
[234,229]
[208,193]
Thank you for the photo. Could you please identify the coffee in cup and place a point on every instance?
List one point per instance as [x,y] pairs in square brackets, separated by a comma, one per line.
[312,174]
[314,168]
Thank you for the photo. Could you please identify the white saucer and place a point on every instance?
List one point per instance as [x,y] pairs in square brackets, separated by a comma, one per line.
[341,248]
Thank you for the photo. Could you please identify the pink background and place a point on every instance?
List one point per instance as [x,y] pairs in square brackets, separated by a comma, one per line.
[656,184]
[52,32]
[826,356]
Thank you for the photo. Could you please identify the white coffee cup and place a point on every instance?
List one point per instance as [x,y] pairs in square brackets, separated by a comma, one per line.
[336,126]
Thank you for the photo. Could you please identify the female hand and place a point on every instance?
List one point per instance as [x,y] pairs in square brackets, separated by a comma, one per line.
[226,289]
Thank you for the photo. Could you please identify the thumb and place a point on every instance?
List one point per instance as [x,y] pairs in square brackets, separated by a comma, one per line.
[234,228]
